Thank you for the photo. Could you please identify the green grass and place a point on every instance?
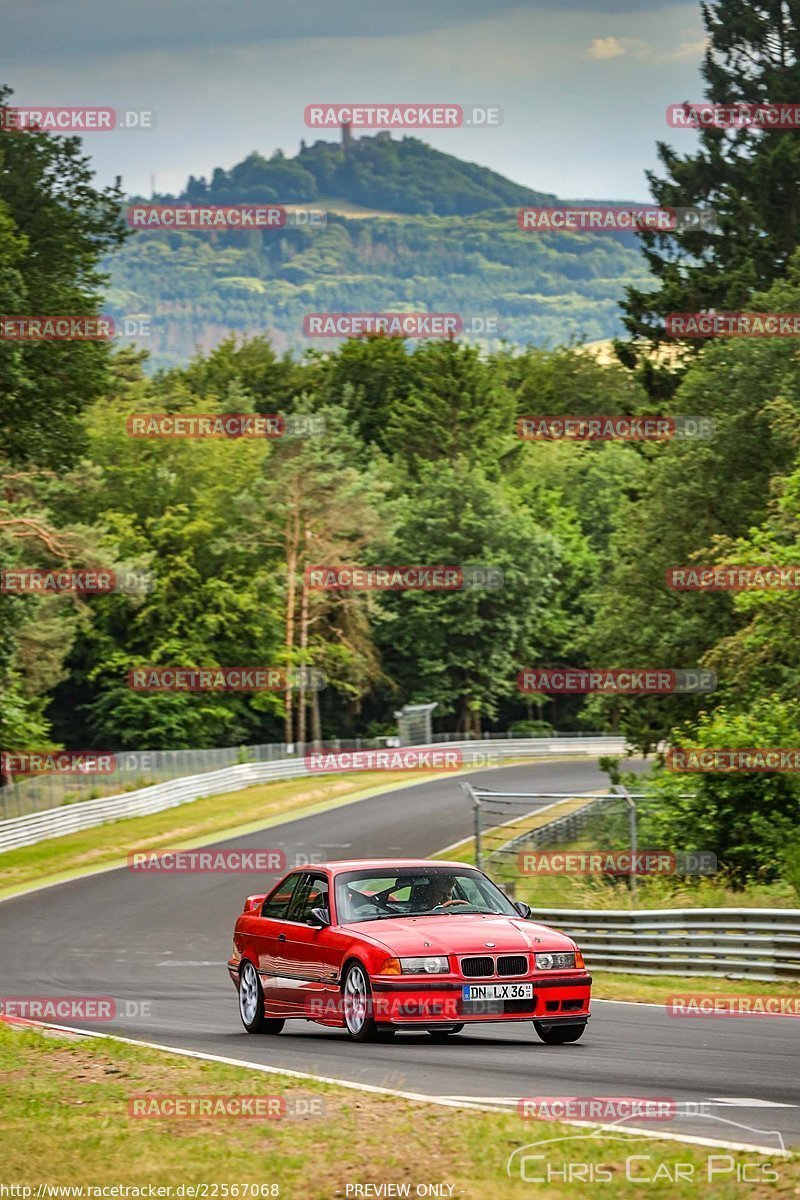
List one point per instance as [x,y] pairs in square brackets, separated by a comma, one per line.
[574,891]
[65,1122]
[515,827]
[193,824]
[656,989]
[607,892]
[198,823]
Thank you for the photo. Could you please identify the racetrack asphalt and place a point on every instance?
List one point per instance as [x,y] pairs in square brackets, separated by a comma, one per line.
[158,944]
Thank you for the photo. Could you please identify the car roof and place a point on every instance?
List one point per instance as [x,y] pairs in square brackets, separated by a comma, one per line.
[360,864]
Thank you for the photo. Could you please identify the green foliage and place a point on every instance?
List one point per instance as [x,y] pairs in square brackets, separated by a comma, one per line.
[791,864]
[697,503]
[417,464]
[611,766]
[543,288]
[463,649]
[746,819]
[455,409]
[403,176]
[55,228]
[749,177]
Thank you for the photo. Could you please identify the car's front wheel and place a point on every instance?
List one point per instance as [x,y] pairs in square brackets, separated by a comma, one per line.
[251,1003]
[358,1019]
[559,1035]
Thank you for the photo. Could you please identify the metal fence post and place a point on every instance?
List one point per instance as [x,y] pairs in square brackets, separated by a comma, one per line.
[469,792]
[633,835]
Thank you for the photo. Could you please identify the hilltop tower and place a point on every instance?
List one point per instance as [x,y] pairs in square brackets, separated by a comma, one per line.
[347,136]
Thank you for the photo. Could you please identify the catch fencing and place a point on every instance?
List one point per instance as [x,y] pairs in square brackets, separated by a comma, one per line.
[137,769]
[753,943]
[68,818]
[506,823]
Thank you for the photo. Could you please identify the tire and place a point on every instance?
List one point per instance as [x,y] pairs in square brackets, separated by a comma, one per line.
[559,1035]
[357,1004]
[251,1003]
[439,1035]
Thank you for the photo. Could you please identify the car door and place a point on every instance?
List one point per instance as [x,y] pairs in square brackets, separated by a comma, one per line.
[311,954]
[268,938]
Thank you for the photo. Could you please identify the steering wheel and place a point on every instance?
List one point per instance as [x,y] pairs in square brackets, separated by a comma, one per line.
[450,903]
[361,903]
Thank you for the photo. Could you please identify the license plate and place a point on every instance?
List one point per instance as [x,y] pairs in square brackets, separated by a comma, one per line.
[497,991]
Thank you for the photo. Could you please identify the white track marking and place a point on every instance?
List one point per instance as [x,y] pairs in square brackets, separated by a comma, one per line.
[171,963]
[373,1089]
[748,1102]
[709,1102]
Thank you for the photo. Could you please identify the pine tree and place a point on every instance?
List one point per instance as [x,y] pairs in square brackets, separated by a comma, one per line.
[751,178]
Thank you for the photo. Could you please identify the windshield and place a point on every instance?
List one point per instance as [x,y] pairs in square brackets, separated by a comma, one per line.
[378,894]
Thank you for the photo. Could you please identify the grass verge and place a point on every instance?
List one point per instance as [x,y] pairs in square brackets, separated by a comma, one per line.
[656,989]
[66,1123]
[561,890]
[192,824]
[212,818]
[515,828]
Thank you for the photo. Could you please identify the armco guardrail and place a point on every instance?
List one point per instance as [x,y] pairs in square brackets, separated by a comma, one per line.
[137,769]
[757,943]
[55,822]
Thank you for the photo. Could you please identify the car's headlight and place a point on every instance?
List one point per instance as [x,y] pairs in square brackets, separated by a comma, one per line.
[432,965]
[545,962]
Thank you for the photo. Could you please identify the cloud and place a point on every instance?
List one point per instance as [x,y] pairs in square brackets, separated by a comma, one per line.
[248,87]
[44,31]
[606,47]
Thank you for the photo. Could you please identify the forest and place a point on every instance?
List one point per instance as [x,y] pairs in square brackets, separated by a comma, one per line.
[406,455]
[407,228]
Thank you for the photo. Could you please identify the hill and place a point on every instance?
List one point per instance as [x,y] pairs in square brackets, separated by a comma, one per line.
[408,228]
[405,176]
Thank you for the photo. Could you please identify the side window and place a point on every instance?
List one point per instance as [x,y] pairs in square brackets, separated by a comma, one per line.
[277,903]
[313,894]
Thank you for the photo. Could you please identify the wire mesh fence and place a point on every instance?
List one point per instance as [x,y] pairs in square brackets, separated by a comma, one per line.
[522,838]
[507,826]
[141,768]
[135,769]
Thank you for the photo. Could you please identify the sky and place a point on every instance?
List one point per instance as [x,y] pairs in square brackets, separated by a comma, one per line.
[583,85]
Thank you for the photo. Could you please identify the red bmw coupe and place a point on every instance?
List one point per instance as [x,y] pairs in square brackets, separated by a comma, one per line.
[381,945]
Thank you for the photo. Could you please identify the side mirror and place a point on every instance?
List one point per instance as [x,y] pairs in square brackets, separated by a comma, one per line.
[320,918]
[253,903]
[522,908]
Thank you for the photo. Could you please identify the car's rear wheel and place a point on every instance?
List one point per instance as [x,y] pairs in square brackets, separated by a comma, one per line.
[559,1035]
[357,997]
[251,1003]
[439,1035]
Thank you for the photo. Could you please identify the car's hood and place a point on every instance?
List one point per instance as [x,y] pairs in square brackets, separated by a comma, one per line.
[466,934]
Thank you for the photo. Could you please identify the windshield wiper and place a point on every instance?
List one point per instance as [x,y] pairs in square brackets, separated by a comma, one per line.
[425,914]
[449,912]
[487,912]
[455,910]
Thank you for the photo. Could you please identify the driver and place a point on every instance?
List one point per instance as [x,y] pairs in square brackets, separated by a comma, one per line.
[437,893]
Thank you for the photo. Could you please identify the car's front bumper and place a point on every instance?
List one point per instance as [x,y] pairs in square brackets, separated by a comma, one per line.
[562,998]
